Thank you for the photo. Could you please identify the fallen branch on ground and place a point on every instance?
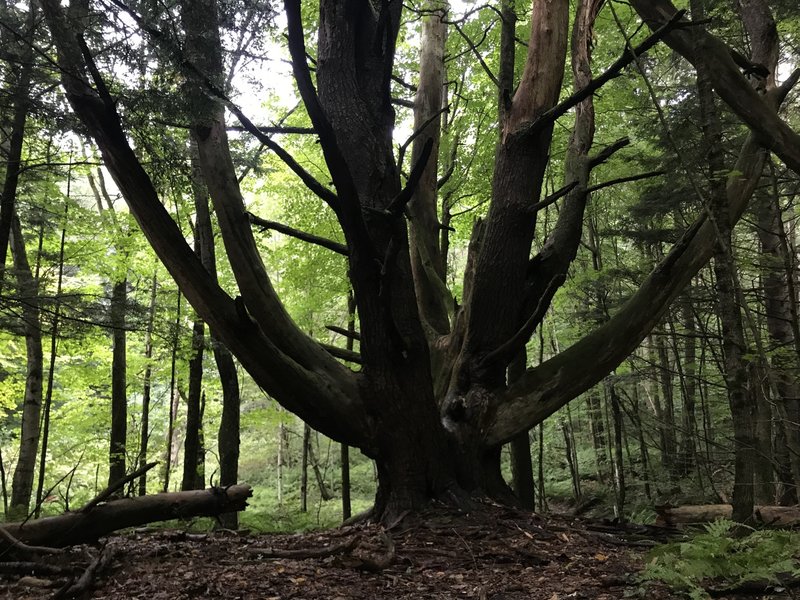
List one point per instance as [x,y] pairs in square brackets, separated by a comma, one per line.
[86,526]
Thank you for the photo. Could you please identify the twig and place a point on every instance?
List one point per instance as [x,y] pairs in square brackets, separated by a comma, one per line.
[342,353]
[560,193]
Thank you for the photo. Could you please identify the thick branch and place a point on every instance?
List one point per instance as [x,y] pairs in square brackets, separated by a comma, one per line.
[546,388]
[345,332]
[342,353]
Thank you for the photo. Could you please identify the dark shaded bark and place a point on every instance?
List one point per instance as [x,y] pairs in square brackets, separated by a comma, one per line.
[87,526]
[521,463]
[20,101]
[736,365]
[192,446]
[304,468]
[119,385]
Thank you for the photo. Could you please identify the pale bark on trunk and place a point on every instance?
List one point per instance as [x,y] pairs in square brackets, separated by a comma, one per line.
[27,288]
[435,304]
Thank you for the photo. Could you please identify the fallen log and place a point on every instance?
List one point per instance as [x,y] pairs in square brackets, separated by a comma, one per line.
[772,516]
[85,526]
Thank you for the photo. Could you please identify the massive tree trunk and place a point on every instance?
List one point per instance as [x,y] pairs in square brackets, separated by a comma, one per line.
[424,445]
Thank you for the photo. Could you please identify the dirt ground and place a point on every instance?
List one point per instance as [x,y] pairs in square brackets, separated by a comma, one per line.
[492,554]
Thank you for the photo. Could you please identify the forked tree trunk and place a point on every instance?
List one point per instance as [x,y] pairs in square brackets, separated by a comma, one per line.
[425,447]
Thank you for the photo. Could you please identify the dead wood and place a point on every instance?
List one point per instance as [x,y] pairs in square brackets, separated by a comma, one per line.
[85,526]
[87,578]
[302,553]
[772,516]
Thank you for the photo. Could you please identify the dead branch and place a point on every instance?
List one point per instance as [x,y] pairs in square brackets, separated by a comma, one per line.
[110,490]
[303,553]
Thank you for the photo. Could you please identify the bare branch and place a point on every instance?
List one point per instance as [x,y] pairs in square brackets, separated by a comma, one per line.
[619,180]
[628,56]
[264,224]
[560,193]
[608,152]
[345,332]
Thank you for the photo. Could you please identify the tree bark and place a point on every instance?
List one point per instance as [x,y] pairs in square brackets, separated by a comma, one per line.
[27,287]
[20,100]
[83,527]
[736,365]
[427,265]
[144,438]
[119,386]
[521,463]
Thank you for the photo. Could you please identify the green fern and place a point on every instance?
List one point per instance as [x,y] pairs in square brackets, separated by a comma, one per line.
[715,557]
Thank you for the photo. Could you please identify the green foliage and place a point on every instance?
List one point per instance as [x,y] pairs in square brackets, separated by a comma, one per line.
[717,557]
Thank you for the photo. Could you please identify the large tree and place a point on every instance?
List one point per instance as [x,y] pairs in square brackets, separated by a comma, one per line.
[430,403]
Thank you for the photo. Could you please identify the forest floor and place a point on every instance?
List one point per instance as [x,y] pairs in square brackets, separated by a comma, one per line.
[491,554]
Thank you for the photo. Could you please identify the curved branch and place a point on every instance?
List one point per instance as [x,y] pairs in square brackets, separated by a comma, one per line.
[264,224]
[544,389]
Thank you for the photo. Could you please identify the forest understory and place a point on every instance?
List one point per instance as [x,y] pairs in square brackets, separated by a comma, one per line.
[492,553]
[495,553]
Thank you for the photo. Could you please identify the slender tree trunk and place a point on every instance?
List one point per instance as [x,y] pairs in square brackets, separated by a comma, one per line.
[304,469]
[20,100]
[521,463]
[173,399]
[144,440]
[347,510]
[778,302]
[619,464]
[119,391]
[191,447]
[743,409]
[689,437]
[27,288]
[572,456]
[54,329]
[668,452]
[434,301]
